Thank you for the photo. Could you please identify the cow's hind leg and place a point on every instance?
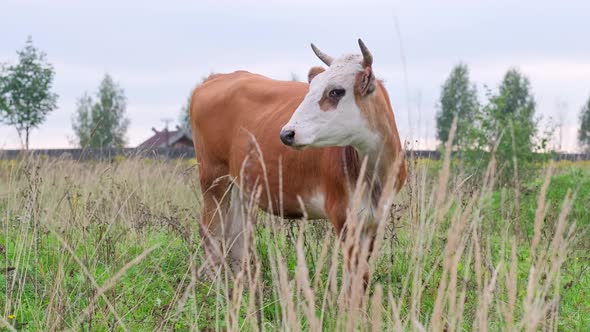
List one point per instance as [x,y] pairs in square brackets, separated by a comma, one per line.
[215,189]
[237,232]
[224,223]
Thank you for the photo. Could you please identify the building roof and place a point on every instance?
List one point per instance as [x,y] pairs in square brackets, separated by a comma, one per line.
[165,138]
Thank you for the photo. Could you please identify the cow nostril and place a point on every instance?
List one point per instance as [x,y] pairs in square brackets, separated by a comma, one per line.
[288,137]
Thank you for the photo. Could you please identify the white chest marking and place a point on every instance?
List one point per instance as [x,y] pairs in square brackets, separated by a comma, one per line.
[314,206]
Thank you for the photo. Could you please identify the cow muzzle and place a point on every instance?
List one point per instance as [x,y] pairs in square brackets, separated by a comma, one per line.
[288,137]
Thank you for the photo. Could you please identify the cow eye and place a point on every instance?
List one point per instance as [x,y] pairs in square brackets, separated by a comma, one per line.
[336,93]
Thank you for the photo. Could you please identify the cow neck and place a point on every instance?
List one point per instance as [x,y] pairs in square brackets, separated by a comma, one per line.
[382,153]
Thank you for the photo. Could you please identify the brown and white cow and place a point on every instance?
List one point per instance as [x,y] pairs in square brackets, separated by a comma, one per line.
[306,140]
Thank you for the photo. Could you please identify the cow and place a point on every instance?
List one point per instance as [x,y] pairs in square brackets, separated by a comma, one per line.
[300,146]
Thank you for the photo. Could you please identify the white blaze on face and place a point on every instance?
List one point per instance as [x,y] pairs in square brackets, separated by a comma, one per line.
[342,123]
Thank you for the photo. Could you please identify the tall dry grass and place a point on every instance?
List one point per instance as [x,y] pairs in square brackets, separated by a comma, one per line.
[99,246]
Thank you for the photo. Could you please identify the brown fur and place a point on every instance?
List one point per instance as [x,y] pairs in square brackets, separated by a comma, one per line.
[328,103]
[364,82]
[234,114]
[373,100]
[313,72]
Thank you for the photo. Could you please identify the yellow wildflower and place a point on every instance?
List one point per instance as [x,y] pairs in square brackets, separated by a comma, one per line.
[11,317]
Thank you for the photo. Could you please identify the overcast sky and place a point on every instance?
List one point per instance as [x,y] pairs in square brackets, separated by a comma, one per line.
[157,51]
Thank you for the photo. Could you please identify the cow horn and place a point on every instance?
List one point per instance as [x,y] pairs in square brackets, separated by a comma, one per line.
[367,56]
[323,56]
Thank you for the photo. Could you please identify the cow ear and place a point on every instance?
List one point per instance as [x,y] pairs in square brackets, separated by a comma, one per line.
[313,72]
[365,82]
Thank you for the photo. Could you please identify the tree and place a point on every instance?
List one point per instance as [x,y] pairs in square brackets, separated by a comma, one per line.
[25,92]
[458,98]
[584,131]
[82,123]
[102,124]
[508,122]
[185,120]
[3,92]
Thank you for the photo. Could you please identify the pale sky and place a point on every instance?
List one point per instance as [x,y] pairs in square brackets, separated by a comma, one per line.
[158,50]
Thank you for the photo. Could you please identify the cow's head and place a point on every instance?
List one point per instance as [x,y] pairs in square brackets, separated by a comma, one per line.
[330,114]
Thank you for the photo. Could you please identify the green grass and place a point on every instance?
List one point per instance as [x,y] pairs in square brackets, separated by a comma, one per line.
[54,212]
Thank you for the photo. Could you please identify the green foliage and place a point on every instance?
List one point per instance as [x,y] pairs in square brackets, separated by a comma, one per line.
[185,119]
[3,91]
[584,131]
[25,91]
[576,180]
[458,98]
[506,124]
[102,124]
[83,124]
[62,218]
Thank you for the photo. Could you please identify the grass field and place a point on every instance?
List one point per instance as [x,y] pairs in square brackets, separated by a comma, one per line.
[114,246]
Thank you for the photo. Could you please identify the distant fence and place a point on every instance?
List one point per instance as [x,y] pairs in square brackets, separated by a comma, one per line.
[189,153]
[557,156]
[103,154]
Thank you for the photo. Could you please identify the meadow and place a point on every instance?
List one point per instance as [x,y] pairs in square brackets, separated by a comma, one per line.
[98,246]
